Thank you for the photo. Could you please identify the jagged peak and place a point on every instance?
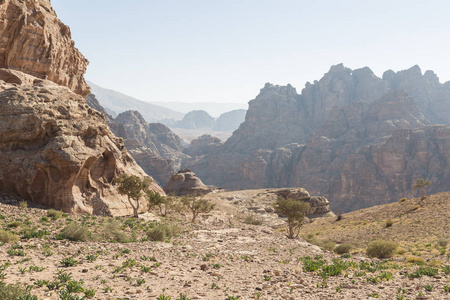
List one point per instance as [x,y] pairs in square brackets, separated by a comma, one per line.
[338,68]
[279,89]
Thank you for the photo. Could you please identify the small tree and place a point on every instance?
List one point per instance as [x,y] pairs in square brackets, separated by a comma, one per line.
[421,185]
[165,204]
[196,204]
[132,186]
[295,212]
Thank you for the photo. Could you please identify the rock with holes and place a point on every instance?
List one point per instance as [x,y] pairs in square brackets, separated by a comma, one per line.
[57,152]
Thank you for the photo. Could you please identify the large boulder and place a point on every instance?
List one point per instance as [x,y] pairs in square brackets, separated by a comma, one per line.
[34,41]
[185,182]
[57,152]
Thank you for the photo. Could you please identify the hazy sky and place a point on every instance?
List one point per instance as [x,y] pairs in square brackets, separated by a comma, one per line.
[224,51]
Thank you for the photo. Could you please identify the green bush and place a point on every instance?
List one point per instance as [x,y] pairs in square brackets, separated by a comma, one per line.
[14,292]
[113,233]
[75,232]
[8,237]
[252,221]
[14,224]
[23,204]
[295,212]
[389,223]
[381,249]
[162,232]
[54,214]
[343,248]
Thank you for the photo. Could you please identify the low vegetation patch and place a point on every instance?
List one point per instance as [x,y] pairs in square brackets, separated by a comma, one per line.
[8,237]
[381,249]
[162,232]
[343,248]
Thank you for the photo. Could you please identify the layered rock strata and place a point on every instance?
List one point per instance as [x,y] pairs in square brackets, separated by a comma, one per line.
[328,139]
[57,152]
[34,41]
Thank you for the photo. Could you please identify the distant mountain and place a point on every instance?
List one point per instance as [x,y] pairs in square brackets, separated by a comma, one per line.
[200,119]
[355,138]
[116,102]
[212,108]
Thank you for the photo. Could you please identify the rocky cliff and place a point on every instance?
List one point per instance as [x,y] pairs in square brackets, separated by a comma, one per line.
[55,151]
[34,41]
[154,146]
[333,138]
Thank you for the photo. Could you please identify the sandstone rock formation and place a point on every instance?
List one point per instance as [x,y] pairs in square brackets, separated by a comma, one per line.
[57,152]
[34,41]
[154,146]
[328,139]
[204,145]
[186,183]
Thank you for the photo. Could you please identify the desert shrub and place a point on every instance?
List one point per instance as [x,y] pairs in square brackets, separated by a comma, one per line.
[14,292]
[23,204]
[415,260]
[324,244]
[435,263]
[196,204]
[252,221]
[113,233]
[75,232]
[295,212]
[14,224]
[389,223]
[162,232]
[343,248]
[381,249]
[401,251]
[446,269]
[8,237]
[54,214]
[442,243]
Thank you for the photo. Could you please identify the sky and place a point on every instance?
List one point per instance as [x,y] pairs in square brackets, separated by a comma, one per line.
[225,51]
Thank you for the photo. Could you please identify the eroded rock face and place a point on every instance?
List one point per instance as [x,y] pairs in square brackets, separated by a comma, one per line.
[57,152]
[204,145]
[186,183]
[34,41]
[154,146]
[327,138]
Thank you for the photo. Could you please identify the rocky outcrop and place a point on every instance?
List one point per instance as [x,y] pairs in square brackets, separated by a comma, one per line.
[57,152]
[154,146]
[431,96]
[186,183]
[204,145]
[327,139]
[34,41]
